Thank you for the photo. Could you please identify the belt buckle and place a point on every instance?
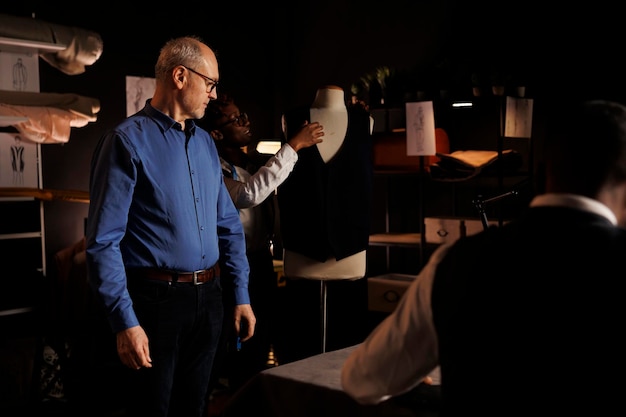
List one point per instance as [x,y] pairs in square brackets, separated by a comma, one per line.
[195,277]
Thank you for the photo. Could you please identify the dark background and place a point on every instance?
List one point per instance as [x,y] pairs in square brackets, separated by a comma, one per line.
[274,55]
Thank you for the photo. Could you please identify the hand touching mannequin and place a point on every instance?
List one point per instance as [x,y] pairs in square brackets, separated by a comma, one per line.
[325,204]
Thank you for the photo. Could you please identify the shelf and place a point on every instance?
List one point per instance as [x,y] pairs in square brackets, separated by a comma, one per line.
[395,239]
[11,120]
[389,171]
[27,235]
[15,311]
[44,194]
[23,45]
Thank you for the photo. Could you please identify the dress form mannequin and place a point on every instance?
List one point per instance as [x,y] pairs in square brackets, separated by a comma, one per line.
[325,204]
[329,109]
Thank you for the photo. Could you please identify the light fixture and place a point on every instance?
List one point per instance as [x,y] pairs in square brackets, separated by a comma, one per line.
[462,104]
[268,146]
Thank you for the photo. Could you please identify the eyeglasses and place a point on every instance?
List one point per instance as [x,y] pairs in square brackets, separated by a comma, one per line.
[240,120]
[211,84]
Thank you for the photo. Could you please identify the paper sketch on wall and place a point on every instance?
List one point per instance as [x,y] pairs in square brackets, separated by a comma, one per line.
[19,71]
[519,117]
[138,90]
[18,162]
[420,128]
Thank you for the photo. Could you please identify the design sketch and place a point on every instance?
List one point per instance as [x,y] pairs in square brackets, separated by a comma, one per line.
[420,128]
[19,71]
[519,117]
[20,75]
[18,162]
[138,90]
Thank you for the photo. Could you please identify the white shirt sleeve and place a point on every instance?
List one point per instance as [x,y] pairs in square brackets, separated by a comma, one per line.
[250,191]
[402,350]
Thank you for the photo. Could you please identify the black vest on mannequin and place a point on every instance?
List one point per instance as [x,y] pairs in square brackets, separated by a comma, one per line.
[325,206]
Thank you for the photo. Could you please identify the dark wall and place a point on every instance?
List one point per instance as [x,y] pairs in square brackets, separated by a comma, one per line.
[273,57]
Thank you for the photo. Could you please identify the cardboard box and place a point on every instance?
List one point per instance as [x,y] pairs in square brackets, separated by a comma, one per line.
[384,291]
[474,226]
[443,229]
[447,229]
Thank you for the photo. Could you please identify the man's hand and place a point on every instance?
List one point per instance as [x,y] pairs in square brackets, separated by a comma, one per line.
[245,320]
[133,348]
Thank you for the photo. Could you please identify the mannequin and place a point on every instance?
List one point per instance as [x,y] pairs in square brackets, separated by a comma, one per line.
[330,110]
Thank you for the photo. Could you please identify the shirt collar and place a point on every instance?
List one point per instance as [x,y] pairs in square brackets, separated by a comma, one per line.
[574,201]
[166,122]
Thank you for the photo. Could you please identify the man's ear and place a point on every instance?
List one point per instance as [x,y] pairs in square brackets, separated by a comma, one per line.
[179,75]
[217,134]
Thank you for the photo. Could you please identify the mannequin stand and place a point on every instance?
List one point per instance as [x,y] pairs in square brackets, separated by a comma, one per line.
[323,313]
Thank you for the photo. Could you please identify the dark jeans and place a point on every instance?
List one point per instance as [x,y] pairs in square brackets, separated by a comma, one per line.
[239,366]
[183,323]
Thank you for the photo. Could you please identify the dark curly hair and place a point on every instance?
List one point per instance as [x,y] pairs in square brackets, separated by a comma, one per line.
[215,110]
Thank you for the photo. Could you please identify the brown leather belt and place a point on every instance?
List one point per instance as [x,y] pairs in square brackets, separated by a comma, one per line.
[196,277]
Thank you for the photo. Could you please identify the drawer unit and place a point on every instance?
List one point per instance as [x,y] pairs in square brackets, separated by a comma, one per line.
[384,291]
[447,229]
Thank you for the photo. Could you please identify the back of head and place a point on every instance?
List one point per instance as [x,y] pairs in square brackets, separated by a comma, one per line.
[586,147]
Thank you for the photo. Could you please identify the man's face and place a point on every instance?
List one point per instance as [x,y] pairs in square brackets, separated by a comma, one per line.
[201,84]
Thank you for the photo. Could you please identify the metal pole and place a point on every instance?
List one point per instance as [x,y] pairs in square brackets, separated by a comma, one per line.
[323,293]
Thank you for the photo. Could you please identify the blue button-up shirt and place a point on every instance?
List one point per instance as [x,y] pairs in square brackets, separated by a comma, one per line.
[157,199]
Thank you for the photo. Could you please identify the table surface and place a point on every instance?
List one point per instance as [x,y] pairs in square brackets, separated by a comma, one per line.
[311,387]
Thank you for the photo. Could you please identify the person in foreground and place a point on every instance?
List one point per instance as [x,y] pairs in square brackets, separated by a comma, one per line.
[251,179]
[159,220]
[526,317]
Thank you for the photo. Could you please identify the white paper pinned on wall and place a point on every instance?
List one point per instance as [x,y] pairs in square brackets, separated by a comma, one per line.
[19,71]
[519,117]
[420,128]
[138,90]
[18,162]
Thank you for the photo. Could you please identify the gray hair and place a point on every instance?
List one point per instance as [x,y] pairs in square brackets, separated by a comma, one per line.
[179,51]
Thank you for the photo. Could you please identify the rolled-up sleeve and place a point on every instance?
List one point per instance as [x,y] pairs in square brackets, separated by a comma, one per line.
[402,350]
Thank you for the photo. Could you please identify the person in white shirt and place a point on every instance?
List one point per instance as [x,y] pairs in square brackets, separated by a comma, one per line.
[252,179]
[525,318]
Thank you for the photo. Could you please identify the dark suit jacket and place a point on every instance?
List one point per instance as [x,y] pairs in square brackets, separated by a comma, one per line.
[530,316]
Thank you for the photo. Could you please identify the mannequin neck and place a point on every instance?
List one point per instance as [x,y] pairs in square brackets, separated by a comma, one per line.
[330,97]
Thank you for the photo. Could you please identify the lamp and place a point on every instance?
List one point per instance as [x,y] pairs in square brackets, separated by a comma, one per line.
[268,146]
[462,104]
